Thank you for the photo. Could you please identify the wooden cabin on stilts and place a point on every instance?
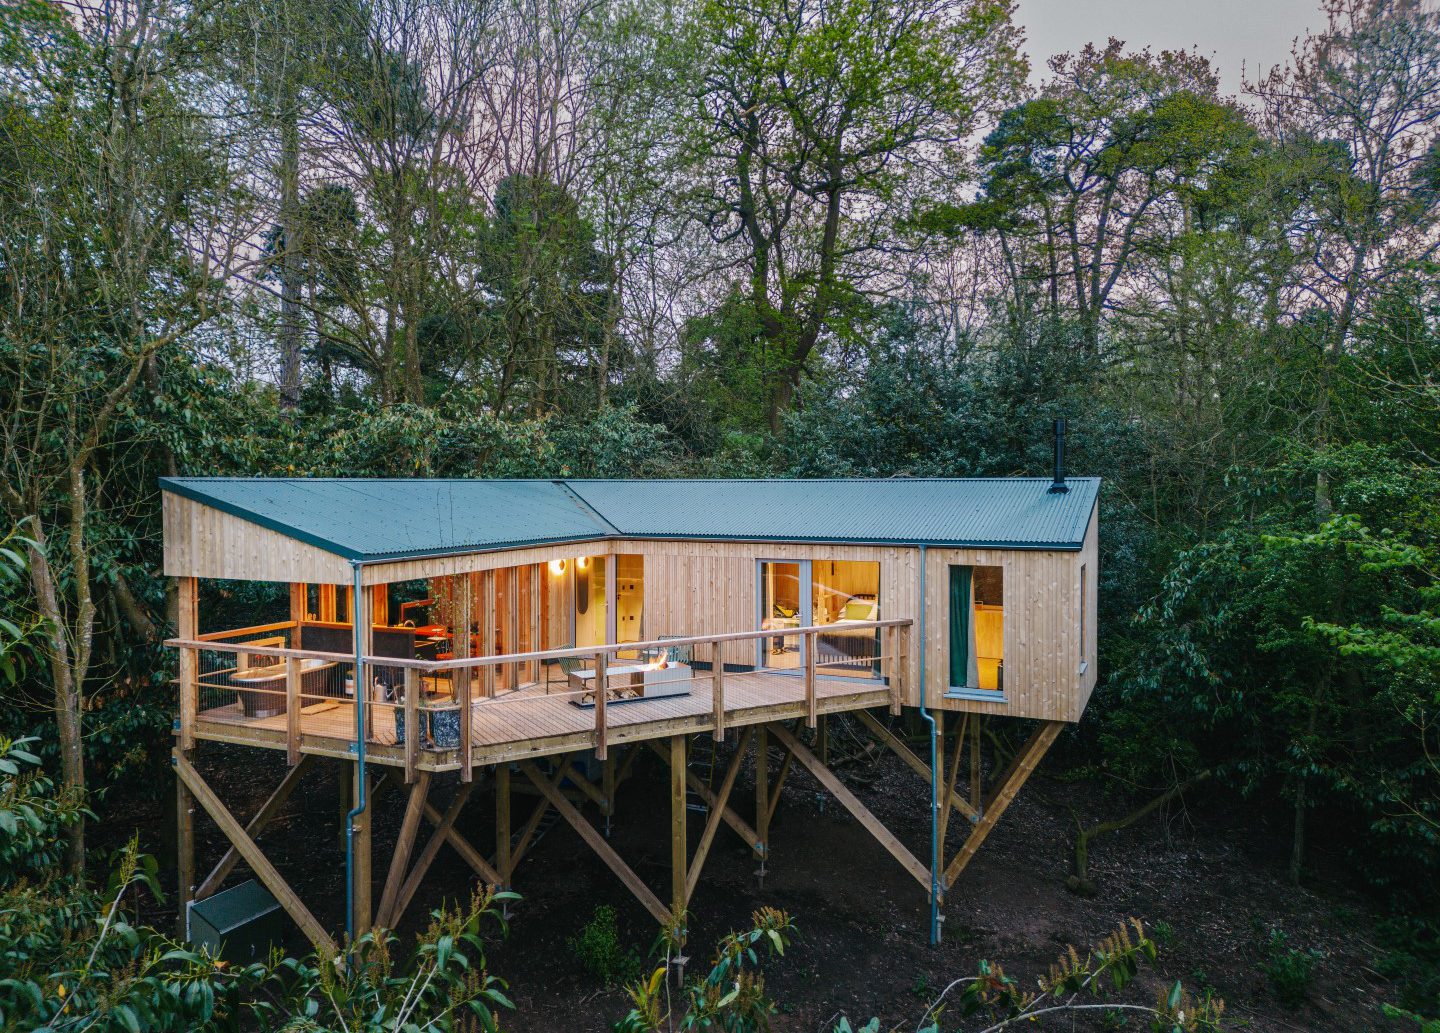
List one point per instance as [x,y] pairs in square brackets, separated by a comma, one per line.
[465,638]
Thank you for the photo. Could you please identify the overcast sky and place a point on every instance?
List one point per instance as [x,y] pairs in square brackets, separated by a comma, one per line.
[1254,34]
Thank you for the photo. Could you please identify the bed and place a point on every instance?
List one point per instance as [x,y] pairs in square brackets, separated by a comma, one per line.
[854,649]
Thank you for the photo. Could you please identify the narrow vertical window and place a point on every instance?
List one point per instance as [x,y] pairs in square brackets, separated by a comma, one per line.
[977,628]
[1084,604]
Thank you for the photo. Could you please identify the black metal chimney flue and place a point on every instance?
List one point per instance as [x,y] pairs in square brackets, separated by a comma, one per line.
[1058,486]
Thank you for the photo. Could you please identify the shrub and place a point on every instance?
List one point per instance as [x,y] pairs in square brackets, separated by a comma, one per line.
[1291,970]
[599,950]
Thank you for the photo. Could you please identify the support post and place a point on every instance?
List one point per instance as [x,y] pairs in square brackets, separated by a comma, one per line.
[184,850]
[947,798]
[412,722]
[607,789]
[822,739]
[1006,789]
[347,801]
[679,843]
[600,694]
[487,632]
[717,670]
[810,702]
[187,626]
[858,810]
[762,794]
[975,787]
[363,871]
[292,710]
[502,824]
[463,680]
[697,786]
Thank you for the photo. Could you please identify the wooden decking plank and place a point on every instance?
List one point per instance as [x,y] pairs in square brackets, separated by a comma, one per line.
[527,722]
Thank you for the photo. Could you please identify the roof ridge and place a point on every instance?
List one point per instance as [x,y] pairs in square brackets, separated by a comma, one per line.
[585,505]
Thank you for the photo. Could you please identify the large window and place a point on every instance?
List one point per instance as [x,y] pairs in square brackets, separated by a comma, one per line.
[845,593]
[977,628]
[839,595]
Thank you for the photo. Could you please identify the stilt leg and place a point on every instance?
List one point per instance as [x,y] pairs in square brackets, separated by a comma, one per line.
[762,796]
[975,799]
[679,843]
[822,739]
[184,849]
[503,864]
[364,885]
[347,791]
[607,787]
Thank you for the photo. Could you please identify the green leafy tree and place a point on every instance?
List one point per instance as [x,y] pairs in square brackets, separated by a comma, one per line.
[815,129]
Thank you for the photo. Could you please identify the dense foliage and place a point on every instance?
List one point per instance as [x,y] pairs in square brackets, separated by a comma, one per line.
[495,238]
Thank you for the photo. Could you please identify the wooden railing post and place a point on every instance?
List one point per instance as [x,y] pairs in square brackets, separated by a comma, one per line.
[188,627]
[465,728]
[717,666]
[810,679]
[897,679]
[600,730]
[412,722]
[292,711]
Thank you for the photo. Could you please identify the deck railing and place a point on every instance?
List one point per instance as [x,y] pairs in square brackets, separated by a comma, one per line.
[254,676]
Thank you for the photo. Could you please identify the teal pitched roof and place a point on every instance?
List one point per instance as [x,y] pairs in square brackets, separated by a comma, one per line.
[372,520]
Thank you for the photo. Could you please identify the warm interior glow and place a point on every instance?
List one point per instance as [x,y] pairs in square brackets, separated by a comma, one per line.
[582,563]
[557,567]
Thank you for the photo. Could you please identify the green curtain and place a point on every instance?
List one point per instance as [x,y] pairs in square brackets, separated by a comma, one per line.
[959,627]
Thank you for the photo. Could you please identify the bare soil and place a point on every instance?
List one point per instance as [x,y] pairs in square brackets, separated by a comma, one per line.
[1211,879]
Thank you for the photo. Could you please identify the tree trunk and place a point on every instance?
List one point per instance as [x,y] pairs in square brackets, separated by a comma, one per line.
[1079,882]
[290,271]
[67,687]
[1297,842]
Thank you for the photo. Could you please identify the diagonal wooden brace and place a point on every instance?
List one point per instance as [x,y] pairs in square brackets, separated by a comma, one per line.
[262,818]
[697,784]
[851,803]
[717,814]
[254,856]
[444,832]
[596,842]
[904,752]
[1005,791]
[404,844]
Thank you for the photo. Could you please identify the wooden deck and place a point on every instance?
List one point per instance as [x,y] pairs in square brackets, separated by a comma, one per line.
[529,723]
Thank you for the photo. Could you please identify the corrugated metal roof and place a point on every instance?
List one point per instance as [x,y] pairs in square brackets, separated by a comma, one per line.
[1015,512]
[390,519]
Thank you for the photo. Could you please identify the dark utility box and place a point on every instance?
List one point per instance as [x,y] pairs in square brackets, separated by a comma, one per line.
[239,924]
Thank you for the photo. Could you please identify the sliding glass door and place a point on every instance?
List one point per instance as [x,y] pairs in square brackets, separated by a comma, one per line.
[835,594]
[784,603]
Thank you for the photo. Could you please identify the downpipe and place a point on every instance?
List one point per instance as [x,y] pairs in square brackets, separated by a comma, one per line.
[934,774]
[361,802]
